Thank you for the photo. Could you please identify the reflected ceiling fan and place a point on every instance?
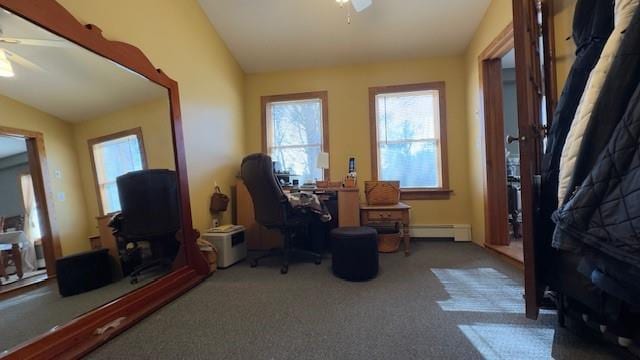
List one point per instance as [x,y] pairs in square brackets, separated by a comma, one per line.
[358,6]
[10,57]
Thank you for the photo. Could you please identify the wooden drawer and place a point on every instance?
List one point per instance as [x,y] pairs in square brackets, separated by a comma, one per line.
[384,215]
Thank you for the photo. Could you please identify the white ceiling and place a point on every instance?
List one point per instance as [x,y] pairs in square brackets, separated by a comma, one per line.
[11,146]
[270,35]
[72,83]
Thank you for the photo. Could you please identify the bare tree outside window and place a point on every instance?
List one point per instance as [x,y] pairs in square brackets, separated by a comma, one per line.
[295,134]
[409,138]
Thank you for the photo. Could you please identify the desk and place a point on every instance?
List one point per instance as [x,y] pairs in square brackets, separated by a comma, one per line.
[107,240]
[388,213]
[260,238]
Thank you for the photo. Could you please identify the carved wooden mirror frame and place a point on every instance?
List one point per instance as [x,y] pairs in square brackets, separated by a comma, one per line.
[85,333]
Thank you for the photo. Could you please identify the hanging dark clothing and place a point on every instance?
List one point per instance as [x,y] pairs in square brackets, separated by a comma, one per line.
[604,213]
[612,103]
[592,25]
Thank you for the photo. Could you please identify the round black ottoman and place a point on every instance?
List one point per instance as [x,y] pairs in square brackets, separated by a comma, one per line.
[355,253]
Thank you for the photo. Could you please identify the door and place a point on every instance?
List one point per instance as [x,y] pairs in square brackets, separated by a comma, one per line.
[530,83]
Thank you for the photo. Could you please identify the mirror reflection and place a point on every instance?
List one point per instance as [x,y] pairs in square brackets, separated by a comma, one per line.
[88,190]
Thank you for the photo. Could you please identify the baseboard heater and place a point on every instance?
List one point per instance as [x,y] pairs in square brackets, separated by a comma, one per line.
[458,232]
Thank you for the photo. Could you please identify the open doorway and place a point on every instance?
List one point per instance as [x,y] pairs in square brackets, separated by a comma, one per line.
[27,251]
[502,152]
[511,137]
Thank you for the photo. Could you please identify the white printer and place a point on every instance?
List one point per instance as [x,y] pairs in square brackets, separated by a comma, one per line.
[230,243]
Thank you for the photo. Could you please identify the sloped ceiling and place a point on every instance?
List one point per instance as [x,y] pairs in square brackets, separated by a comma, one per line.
[270,35]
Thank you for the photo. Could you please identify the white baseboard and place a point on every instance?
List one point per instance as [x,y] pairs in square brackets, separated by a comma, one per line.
[458,232]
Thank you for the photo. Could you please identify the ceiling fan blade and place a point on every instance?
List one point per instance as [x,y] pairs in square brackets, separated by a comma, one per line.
[34,42]
[19,60]
[360,5]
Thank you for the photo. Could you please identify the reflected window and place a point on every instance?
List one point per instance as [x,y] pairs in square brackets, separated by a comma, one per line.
[114,155]
[296,132]
[410,135]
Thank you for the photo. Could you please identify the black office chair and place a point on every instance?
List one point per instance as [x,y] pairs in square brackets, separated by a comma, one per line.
[272,209]
[150,213]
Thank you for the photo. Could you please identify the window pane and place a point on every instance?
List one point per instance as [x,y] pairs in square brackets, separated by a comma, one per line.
[112,159]
[414,164]
[110,197]
[296,123]
[299,161]
[408,116]
[295,136]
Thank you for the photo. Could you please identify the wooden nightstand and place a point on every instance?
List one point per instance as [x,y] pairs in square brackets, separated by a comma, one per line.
[388,213]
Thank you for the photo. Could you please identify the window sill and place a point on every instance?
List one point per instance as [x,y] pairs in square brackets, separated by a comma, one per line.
[425,194]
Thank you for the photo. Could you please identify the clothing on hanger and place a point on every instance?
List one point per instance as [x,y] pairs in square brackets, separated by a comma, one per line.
[604,214]
[621,81]
[592,26]
[623,13]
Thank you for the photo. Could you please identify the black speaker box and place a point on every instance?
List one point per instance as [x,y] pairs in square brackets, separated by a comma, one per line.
[83,272]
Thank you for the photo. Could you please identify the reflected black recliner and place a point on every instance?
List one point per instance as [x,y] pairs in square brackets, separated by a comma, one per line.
[272,209]
[150,213]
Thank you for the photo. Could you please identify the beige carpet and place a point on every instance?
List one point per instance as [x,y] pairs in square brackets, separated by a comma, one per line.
[446,301]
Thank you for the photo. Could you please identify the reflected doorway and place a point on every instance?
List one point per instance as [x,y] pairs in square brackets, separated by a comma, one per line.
[26,247]
[514,247]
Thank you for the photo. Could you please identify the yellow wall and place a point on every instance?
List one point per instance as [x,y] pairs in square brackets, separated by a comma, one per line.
[497,17]
[152,117]
[61,155]
[565,49]
[178,38]
[347,87]
[214,99]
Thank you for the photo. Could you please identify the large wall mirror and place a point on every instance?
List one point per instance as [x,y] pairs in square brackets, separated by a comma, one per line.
[78,130]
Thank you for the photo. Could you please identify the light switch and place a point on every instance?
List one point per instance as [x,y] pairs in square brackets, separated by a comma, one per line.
[58,174]
[61,196]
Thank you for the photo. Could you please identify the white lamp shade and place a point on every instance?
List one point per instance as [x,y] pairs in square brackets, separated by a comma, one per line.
[323,161]
[6,70]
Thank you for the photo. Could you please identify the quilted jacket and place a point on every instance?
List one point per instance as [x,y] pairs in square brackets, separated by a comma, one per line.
[604,213]
[624,11]
[621,81]
[592,25]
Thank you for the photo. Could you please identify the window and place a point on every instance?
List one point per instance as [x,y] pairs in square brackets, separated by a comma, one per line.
[111,156]
[295,131]
[408,126]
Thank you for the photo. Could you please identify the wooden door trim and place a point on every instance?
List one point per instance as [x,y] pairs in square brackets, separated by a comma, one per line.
[492,124]
[529,83]
[38,168]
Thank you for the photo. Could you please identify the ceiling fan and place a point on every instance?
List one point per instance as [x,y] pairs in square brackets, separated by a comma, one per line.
[358,6]
[10,57]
